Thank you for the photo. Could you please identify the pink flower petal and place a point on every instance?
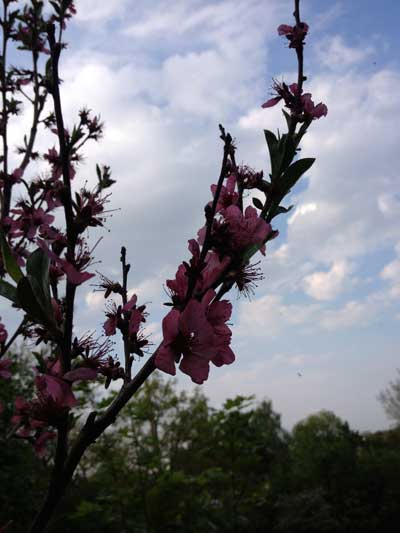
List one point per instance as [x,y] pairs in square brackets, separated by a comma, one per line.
[284,29]
[81,374]
[165,360]
[195,367]
[271,102]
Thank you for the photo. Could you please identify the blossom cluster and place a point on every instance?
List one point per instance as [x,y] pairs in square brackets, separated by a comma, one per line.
[195,331]
[62,255]
[300,104]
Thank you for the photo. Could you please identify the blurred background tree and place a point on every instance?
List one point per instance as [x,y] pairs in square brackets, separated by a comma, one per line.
[390,400]
[173,463]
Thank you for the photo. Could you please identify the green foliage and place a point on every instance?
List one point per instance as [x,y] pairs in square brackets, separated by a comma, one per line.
[8,291]
[390,400]
[173,463]
[9,261]
[23,477]
[33,290]
[293,173]
[37,267]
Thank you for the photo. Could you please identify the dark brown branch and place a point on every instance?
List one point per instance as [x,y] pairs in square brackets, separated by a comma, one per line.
[93,428]
[7,346]
[128,358]
[55,49]
[4,121]
[210,212]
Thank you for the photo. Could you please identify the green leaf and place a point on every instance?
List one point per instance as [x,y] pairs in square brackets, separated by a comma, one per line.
[294,173]
[257,203]
[281,209]
[9,261]
[288,118]
[37,266]
[40,360]
[27,291]
[288,149]
[274,153]
[8,291]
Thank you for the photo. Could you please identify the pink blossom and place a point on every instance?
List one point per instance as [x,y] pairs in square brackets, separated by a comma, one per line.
[212,271]
[134,315]
[295,34]
[272,101]
[54,159]
[4,368]
[57,311]
[110,325]
[285,29]
[131,303]
[245,230]
[40,444]
[249,178]
[237,231]
[28,220]
[74,276]
[218,313]
[80,374]
[304,105]
[227,195]
[314,111]
[17,175]
[286,92]
[169,352]
[135,321]
[195,337]
[22,417]
[55,389]
[3,334]
[179,285]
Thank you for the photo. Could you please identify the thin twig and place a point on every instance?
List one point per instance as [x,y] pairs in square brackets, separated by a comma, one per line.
[7,346]
[3,61]
[55,49]
[128,358]
[210,212]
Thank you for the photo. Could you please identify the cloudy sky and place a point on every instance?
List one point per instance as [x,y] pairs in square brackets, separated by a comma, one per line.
[163,74]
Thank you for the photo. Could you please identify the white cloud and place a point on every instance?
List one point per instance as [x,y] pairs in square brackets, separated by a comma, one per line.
[269,316]
[327,285]
[333,53]
[302,210]
[391,274]
[95,300]
[95,11]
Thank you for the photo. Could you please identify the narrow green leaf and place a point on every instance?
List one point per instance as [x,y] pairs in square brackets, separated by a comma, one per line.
[8,291]
[288,118]
[9,261]
[257,203]
[274,153]
[37,266]
[281,209]
[288,149]
[27,291]
[294,173]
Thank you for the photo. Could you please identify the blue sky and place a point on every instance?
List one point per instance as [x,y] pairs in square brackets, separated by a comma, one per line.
[163,74]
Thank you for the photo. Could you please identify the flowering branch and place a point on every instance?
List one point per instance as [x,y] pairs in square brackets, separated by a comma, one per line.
[36,256]
[4,113]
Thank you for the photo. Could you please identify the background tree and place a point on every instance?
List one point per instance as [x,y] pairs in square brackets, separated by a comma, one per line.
[390,400]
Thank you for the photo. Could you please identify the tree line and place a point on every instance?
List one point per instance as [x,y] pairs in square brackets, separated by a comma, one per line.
[173,463]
